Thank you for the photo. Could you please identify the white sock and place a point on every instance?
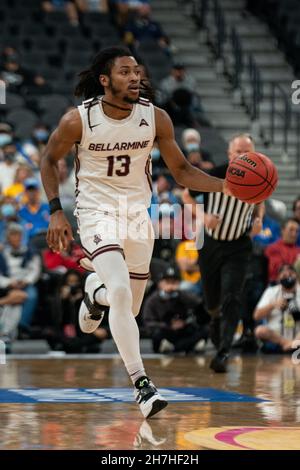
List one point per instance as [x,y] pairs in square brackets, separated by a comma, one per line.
[136,371]
[113,272]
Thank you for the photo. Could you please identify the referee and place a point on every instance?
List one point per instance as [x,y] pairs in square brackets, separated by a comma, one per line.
[225,254]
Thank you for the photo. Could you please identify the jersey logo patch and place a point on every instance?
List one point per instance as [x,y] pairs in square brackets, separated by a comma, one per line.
[97,239]
[143,123]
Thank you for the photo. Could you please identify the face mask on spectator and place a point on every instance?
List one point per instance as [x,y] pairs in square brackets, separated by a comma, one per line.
[168,295]
[41,135]
[288,282]
[9,156]
[192,147]
[5,139]
[155,154]
[8,210]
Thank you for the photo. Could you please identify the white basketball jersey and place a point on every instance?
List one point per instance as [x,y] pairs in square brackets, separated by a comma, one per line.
[113,158]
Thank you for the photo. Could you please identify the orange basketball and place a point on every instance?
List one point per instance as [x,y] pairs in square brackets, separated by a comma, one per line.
[251,177]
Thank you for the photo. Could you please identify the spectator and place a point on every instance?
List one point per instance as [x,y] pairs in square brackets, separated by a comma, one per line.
[38,85]
[162,189]
[165,241]
[71,295]
[9,52]
[126,9]
[283,250]
[63,261]
[187,261]
[6,136]
[34,146]
[269,233]
[8,213]
[16,190]
[279,311]
[20,268]
[191,142]
[92,5]
[178,79]
[10,312]
[179,98]
[34,214]
[8,166]
[14,75]
[256,281]
[142,28]
[70,7]
[170,317]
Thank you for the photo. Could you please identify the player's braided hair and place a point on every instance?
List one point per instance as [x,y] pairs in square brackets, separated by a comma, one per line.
[89,85]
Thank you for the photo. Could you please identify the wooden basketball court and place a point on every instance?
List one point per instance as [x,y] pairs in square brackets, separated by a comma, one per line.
[76,403]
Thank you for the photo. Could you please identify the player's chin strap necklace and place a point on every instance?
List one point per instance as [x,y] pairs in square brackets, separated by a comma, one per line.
[94,102]
[115,106]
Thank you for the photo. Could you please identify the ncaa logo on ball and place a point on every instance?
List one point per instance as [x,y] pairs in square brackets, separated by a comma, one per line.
[236,172]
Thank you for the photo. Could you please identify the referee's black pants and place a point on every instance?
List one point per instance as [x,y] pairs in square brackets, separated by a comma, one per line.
[223,266]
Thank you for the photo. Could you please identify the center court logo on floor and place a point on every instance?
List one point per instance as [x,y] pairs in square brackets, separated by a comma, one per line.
[246,438]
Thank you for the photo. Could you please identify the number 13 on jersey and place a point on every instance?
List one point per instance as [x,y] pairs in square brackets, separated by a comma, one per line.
[123,168]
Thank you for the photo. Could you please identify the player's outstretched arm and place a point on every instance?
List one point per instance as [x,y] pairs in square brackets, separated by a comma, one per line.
[183,172]
[59,145]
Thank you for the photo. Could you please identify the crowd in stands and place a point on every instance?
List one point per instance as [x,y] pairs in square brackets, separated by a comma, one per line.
[46,43]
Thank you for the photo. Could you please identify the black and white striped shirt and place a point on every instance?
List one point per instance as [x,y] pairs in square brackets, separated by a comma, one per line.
[236,215]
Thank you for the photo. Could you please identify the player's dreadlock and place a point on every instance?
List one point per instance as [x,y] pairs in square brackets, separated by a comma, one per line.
[89,85]
[146,89]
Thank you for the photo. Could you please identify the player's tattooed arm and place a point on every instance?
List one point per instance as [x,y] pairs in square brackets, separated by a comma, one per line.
[59,145]
[183,172]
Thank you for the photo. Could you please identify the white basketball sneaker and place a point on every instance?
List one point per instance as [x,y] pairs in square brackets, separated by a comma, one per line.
[90,312]
[148,398]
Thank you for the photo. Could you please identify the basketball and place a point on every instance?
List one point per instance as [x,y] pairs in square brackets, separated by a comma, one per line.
[251,177]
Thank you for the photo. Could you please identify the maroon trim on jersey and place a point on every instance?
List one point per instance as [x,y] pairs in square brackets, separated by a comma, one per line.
[144,102]
[147,171]
[91,102]
[141,277]
[77,168]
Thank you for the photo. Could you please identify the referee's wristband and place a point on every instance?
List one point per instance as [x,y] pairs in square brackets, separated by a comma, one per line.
[55,205]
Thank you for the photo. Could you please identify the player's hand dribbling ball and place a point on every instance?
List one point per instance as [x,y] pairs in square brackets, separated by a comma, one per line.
[251,177]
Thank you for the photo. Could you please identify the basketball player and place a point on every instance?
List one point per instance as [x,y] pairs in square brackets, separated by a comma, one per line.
[113,131]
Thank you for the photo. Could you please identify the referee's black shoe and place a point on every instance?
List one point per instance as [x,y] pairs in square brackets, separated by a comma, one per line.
[219,362]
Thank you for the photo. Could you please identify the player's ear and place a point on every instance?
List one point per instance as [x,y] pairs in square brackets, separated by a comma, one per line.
[104,80]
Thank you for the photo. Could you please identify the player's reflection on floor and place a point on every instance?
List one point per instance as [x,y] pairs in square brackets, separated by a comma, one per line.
[146,436]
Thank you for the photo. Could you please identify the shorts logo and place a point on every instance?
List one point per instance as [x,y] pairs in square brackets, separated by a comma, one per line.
[97,239]
[143,123]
